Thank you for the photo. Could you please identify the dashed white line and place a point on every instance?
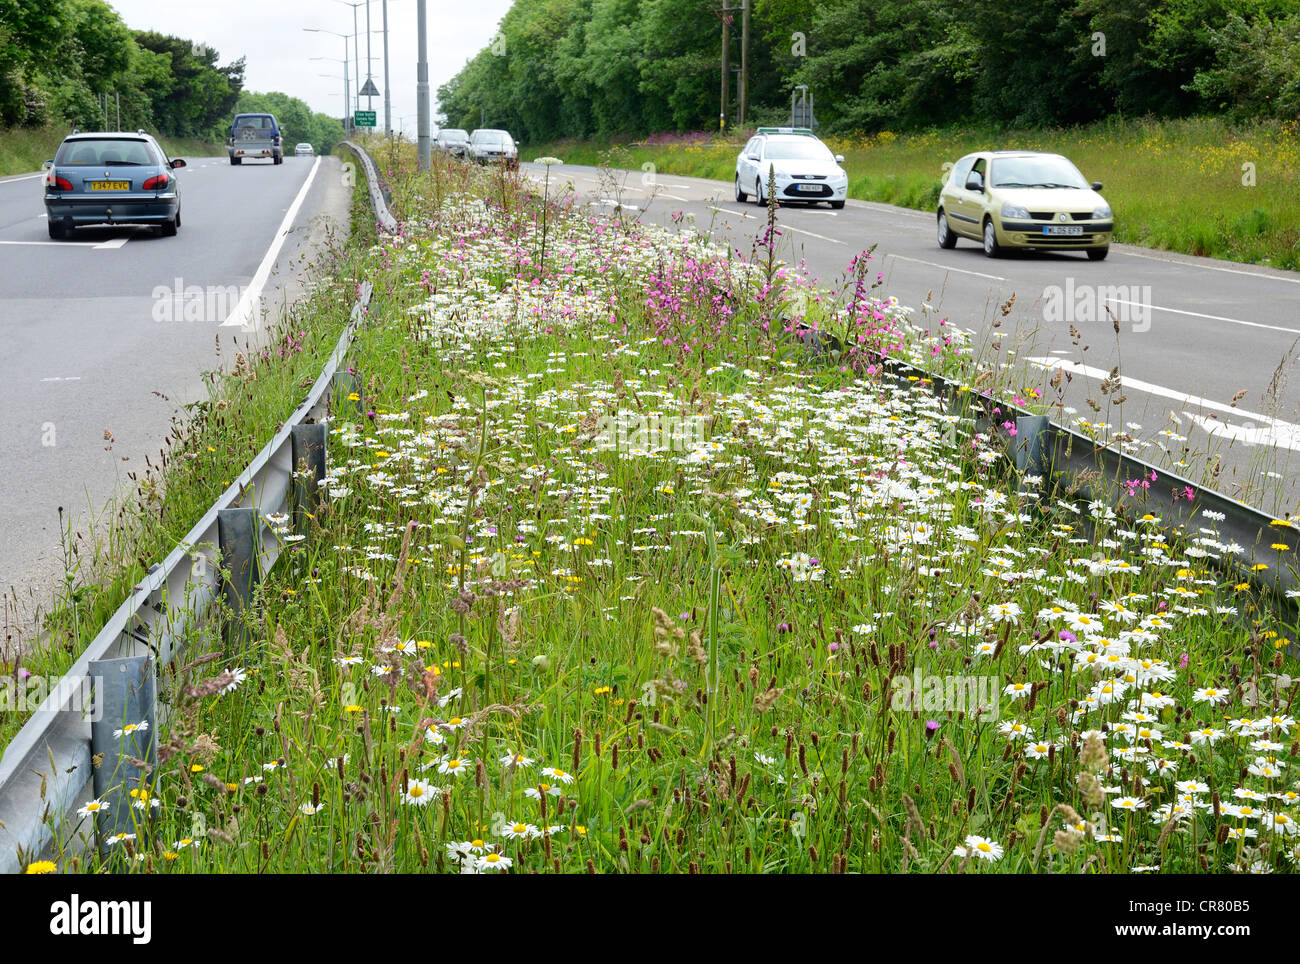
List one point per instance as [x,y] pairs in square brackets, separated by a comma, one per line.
[811,234]
[1197,314]
[63,378]
[112,245]
[751,217]
[945,267]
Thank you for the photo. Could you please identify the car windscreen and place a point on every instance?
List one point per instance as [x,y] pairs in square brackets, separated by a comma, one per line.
[454,135]
[1044,171]
[797,149]
[106,151]
[257,123]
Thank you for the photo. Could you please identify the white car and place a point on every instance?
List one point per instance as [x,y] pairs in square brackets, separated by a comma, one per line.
[304,150]
[805,168]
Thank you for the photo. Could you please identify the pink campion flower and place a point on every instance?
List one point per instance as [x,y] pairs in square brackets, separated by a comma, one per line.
[1182,661]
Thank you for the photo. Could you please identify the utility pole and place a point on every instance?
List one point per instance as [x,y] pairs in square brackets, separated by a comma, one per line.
[725,15]
[422,90]
[370,98]
[744,63]
[388,107]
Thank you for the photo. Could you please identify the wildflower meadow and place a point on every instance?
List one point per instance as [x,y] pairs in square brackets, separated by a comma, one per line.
[633,556]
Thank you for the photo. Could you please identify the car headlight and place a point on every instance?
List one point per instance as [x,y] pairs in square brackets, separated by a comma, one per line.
[1015,211]
[1102,213]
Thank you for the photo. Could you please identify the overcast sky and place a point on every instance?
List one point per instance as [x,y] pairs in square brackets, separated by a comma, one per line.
[269,35]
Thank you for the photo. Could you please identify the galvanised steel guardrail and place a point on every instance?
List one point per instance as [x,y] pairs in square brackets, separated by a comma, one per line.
[383,217]
[47,767]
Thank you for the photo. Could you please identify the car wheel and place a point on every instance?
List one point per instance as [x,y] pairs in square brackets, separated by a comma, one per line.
[991,246]
[837,205]
[279,159]
[57,231]
[168,228]
[178,217]
[741,196]
[234,161]
[946,238]
[1098,254]
[758,193]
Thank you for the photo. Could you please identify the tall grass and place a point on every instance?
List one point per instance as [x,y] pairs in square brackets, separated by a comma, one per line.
[24,149]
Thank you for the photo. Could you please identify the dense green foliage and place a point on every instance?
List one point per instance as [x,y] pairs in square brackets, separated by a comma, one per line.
[577,68]
[59,59]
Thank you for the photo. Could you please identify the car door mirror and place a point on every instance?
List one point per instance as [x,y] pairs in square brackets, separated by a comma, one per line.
[177,162]
[839,158]
[47,165]
[1096,186]
[975,181]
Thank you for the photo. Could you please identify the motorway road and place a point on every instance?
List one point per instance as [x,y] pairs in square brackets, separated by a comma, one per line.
[91,341]
[1195,332]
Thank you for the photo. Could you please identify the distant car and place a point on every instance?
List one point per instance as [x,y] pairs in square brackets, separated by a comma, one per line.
[804,167]
[111,178]
[304,150]
[255,135]
[453,140]
[490,146]
[1026,200]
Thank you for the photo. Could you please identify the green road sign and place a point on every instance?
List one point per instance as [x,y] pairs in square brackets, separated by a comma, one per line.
[363,118]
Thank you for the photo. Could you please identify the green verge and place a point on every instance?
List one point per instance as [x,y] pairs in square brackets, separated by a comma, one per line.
[23,149]
[610,577]
[1199,186]
[248,399]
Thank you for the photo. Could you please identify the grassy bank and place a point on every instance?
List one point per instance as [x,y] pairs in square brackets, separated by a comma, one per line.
[1177,185]
[611,578]
[23,150]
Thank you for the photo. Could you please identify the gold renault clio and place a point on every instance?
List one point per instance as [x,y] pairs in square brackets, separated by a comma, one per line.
[1023,199]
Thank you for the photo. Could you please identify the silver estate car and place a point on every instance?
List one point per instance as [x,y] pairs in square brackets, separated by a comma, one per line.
[111,178]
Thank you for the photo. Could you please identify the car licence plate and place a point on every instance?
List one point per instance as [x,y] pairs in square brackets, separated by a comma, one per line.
[1066,229]
[109,185]
[809,187]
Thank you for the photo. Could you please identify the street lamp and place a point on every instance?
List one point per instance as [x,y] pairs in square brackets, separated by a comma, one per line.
[347,114]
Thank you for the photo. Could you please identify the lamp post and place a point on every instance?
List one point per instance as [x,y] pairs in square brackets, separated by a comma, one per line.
[356,49]
[347,114]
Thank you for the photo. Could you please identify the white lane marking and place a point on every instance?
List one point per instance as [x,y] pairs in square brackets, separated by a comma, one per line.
[59,378]
[58,244]
[673,196]
[1274,430]
[610,202]
[112,245]
[1211,267]
[812,234]
[245,313]
[935,264]
[1197,314]
[729,211]
[687,186]
[21,177]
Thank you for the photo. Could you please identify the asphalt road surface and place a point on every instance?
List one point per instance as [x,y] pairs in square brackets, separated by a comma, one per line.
[104,333]
[1194,332]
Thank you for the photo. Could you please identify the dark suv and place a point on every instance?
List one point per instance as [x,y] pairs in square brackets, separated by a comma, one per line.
[255,135]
